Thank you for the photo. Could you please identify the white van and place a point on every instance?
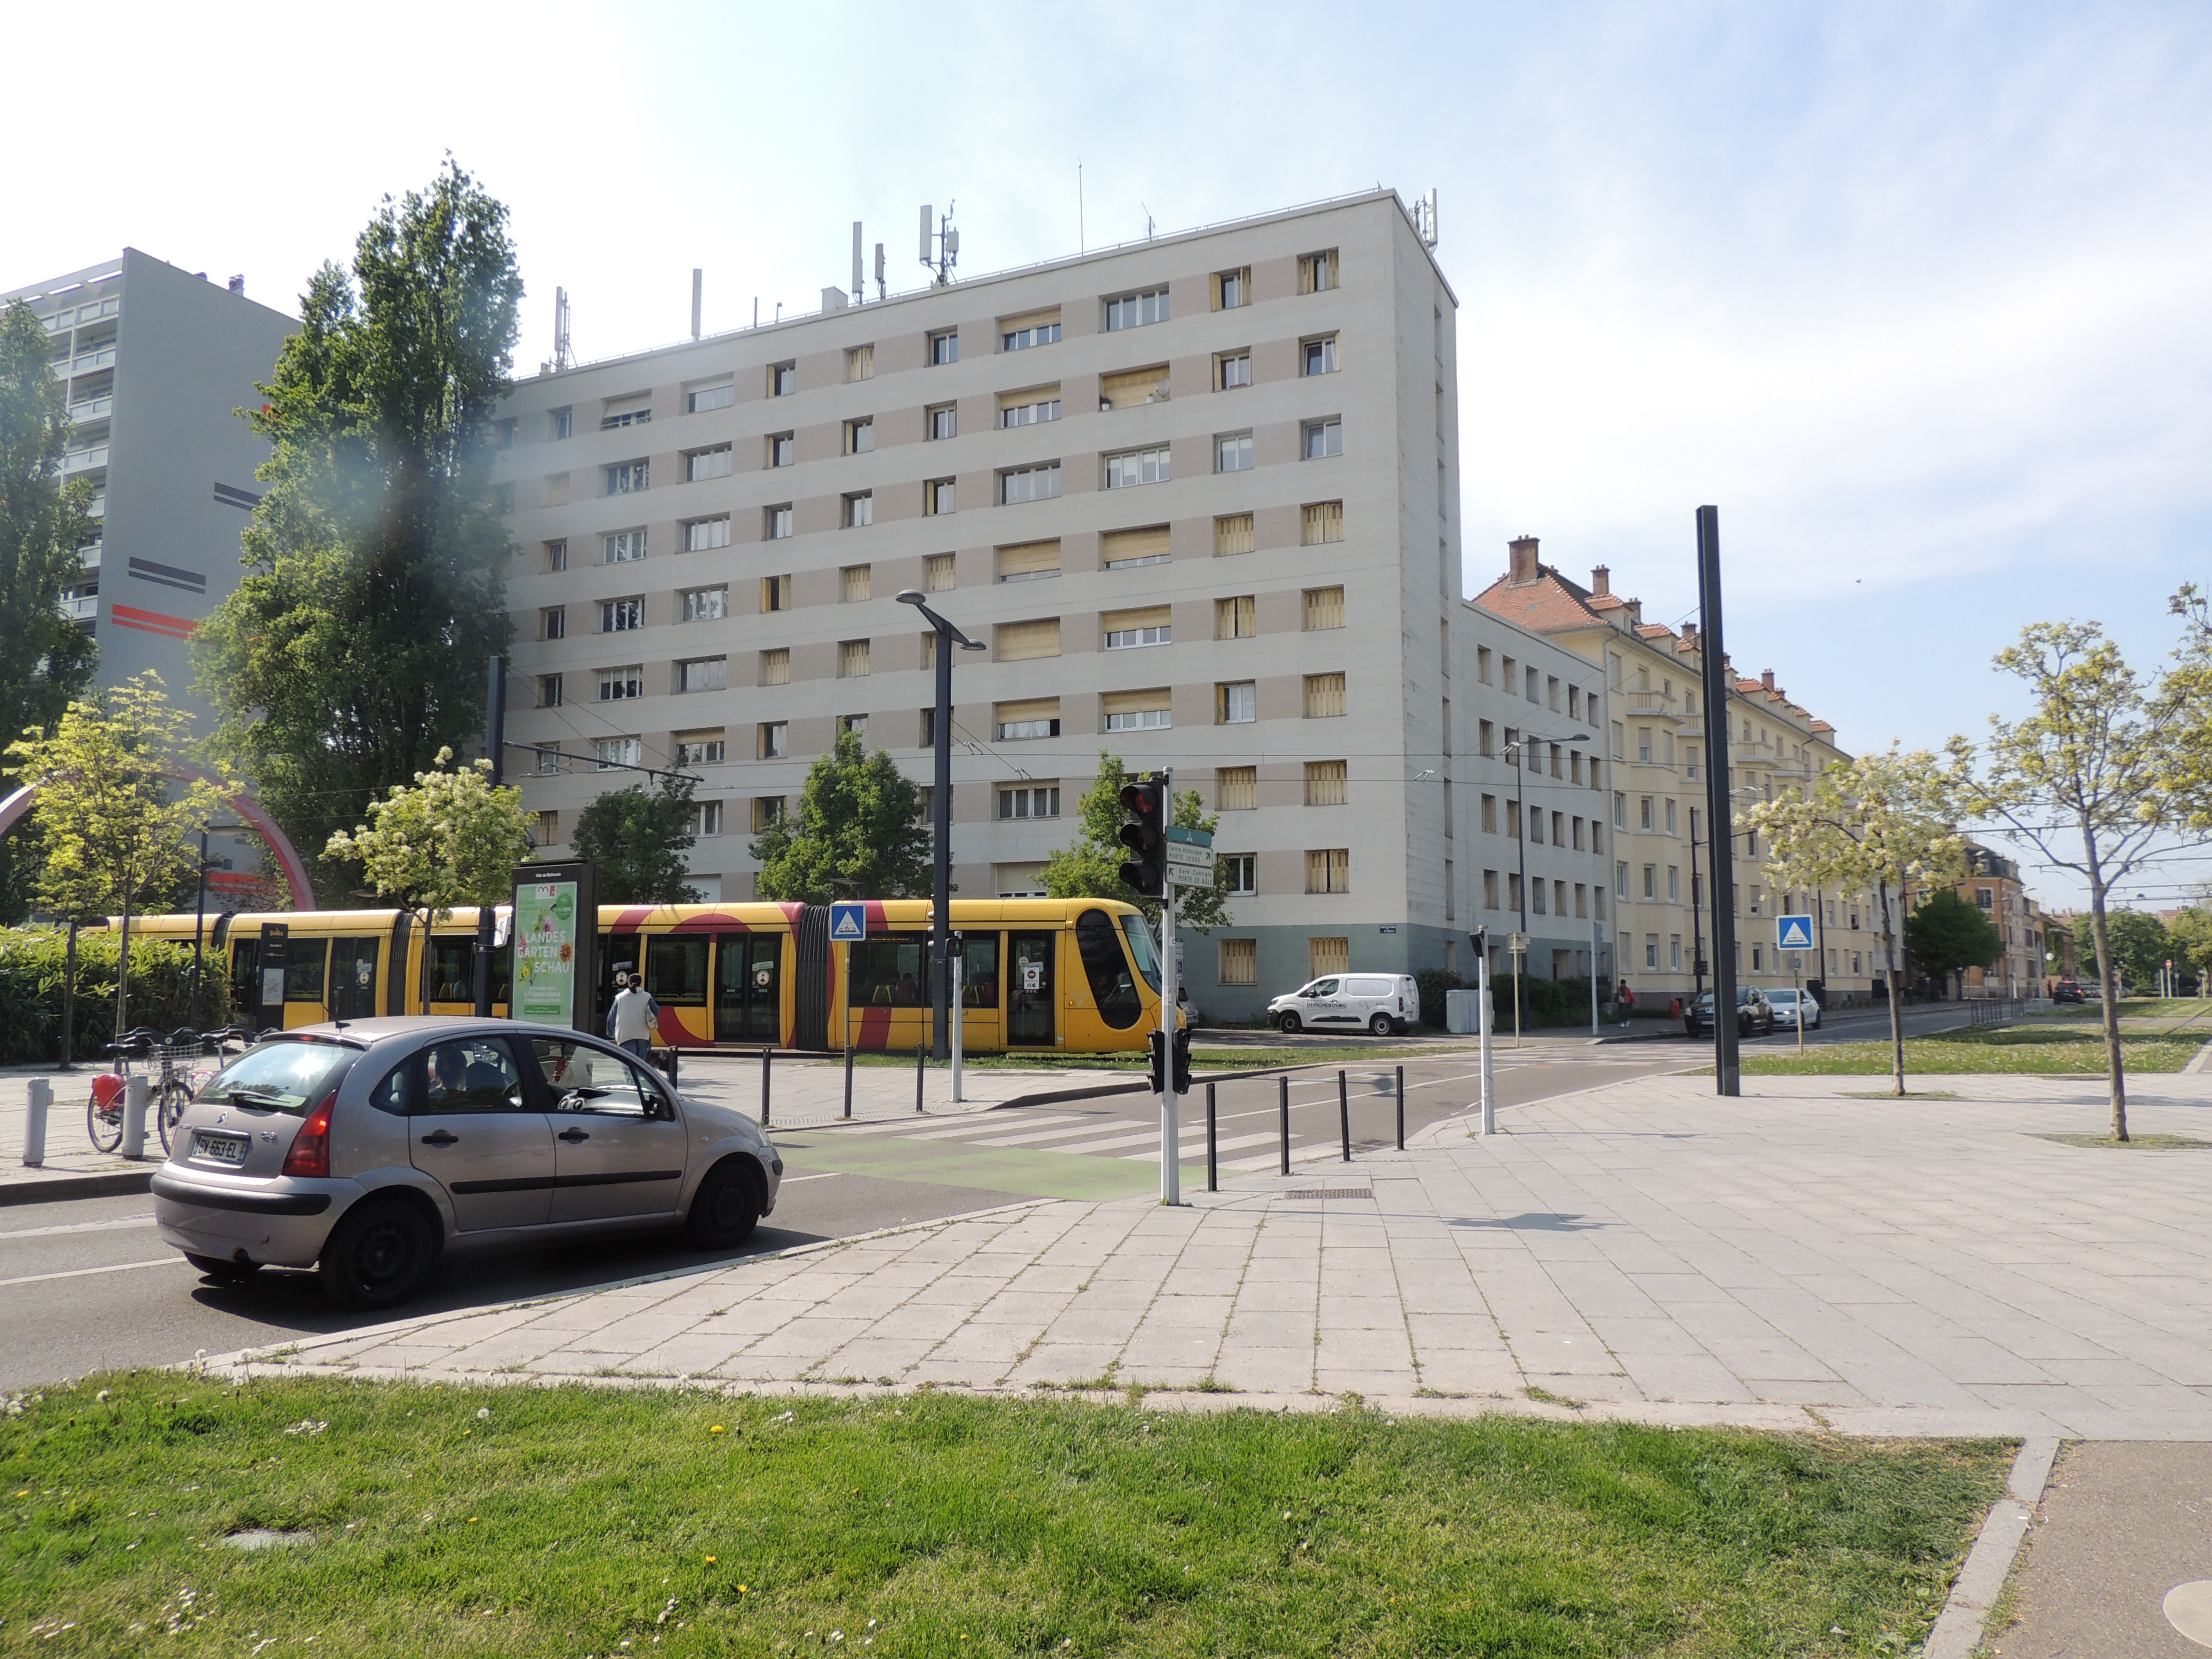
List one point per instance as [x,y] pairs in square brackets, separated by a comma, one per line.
[1385,1004]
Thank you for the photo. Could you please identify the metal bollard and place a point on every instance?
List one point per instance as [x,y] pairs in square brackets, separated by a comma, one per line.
[1344,1114]
[1212,1163]
[34,1123]
[767,1057]
[134,1118]
[921,1059]
[848,1080]
[1401,1109]
[1283,1107]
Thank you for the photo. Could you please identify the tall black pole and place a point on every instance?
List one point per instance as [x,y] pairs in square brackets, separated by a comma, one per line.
[495,751]
[1721,843]
[199,926]
[940,837]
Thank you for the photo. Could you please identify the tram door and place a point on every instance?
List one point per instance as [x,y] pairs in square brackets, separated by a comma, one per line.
[1031,996]
[748,981]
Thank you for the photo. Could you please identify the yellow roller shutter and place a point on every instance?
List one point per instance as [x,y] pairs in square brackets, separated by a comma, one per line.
[1134,385]
[1122,622]
[1120,546]
[1030,708]
[1029,559]
[1018,641]
[1134,703]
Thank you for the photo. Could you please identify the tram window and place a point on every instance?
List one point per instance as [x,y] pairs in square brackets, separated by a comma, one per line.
[980,971]
[1113,987]
[676,970]
[244,978]
[889,972]
[303,970]
[452,976]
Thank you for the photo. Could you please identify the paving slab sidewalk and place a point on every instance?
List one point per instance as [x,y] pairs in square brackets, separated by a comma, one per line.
[1792,1259]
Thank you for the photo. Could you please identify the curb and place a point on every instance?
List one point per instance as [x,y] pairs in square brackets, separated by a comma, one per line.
[113,1184]
[1960,1627]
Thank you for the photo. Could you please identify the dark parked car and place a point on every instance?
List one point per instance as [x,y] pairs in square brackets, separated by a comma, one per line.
[1754,1015]
[2067,990]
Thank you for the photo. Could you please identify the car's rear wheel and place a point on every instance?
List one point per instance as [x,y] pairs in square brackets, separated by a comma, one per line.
[1380,1025]
[726,1207]
[1286,1022]
[379,1253]
[222,1271]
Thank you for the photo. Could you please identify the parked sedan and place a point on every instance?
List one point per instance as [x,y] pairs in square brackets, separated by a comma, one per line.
[2067,990]
[365,1150]
[1785,1004]
[1754,1015]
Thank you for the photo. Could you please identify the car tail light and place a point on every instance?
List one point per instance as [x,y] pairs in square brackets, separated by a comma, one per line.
[311,1147]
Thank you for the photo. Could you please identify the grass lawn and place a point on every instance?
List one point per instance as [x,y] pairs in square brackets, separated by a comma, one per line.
[578,1522]
[2039,1049]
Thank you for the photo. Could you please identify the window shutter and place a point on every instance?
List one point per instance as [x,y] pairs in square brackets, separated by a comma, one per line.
[1031,708]
[1325,783]
[1232,533]
[1134,385]
[775,666]
[1236,789]
[1324,696]
[1019,642]
[1149,543]
[1324,608]
[1233,618]
[1029,559]
[1134,703]
[852,659]
[855,582]
[1324,522]
[1122,622]
[1240,962]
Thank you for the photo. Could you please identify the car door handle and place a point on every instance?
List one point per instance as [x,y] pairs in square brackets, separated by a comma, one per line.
[442,1138]
[572,1136]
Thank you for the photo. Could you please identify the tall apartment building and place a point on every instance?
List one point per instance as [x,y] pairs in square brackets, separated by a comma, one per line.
[1653,736]
[157,361]
[1198,494]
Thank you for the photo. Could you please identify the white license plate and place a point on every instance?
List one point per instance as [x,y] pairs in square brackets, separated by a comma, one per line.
[224,1149]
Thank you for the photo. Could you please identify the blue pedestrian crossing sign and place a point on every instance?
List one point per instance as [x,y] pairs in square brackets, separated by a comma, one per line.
[1792,932]
[848,921]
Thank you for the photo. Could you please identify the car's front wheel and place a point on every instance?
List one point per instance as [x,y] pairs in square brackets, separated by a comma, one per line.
[379,1253]
[1286,1022]
[726,1207]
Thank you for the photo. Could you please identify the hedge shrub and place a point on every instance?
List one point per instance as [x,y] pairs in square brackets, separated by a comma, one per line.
[31,963]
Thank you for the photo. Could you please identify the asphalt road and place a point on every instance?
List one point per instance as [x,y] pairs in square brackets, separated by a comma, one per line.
[87,1286]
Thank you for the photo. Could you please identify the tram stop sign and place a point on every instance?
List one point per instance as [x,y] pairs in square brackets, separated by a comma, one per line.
[848,921]
[1793,933]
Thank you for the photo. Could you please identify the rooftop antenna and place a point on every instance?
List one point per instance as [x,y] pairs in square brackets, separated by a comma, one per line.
[882,293]
[1425,219]
[1079,247]
[698,282]
[859,282]
[563,356]
[1148,221]
[945,255]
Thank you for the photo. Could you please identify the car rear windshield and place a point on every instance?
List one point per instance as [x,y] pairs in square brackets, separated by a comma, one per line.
[286,1075]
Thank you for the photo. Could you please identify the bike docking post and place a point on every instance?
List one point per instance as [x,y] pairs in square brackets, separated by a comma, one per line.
[134,1118]
[767,1056]
[921,1060]
[34,1123]
[1344,1114]
[1213,1162]
[1283,1109]
[1401,1109]
[848,1080]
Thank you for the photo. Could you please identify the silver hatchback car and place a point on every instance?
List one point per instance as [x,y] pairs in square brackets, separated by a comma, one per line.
[366,1149]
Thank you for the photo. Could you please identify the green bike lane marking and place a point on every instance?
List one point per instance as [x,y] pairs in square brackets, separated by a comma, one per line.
[989,1169]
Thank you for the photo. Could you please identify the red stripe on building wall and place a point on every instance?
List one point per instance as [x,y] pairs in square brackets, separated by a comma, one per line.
[152,622]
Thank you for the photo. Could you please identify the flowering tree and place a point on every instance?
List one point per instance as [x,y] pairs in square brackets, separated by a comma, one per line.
[1878,824]
[451,839]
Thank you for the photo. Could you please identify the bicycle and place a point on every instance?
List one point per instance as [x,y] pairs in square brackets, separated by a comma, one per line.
[171,1092]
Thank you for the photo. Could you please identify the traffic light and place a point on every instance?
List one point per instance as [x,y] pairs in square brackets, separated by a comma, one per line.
[1157,1042]
[1146,835]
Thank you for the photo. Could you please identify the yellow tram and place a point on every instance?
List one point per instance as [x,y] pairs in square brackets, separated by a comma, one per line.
[1062,975]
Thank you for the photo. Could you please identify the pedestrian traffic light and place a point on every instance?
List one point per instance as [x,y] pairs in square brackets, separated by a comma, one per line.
[1159,1043]
[1146,835]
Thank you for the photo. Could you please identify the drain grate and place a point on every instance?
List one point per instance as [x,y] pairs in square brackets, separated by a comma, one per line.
[1330,1191]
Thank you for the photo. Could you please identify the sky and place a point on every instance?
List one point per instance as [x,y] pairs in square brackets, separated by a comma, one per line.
[1916,294]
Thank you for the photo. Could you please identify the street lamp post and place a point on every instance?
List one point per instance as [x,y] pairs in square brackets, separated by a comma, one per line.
[940,826]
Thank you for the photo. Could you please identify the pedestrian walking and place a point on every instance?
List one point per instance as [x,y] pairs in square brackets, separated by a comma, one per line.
[633,1018]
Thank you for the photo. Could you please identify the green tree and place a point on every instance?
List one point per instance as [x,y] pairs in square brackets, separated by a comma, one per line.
[2140,946]
[1878,824]
[857,833]
[355,647]
[2190,935]
[1089,866]
[639,840]
[451,838]
[2088,769]
[1947,935]
[114,817]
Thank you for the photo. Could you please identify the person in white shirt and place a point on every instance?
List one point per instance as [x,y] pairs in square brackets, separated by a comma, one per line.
[634,1019]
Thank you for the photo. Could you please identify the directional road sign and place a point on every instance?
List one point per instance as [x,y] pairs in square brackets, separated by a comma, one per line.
[848,921]
[1793,933]
[1190,857]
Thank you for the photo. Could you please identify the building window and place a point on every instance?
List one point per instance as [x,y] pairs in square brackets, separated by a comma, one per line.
[1025,641]
[860,436]
[1236,789]
[616,683]
[636,414]
[1123,550]
[614,753]
[1317,272]
[628,477]
[860,509]
[1324,698]
[1328,783]
[1318,357]
[1028,562]
[1674,883]
[939,574]
[1236,703]
[1232,452]
[702,674]
[1323,438]
[859,363]
[1030,483]
[1027,409]
[1234,619]
[1490,890]
[549,691]
[1324,608]
[1137,466]
[620,616]
[1233,370]
[1135,310]
[1321,522]
[704,535]
[699,747]
[1021,333]
[1233,534]
[775,666]
[937,498]
[1644,811]
[854,583]
[1036,717]
[1650,881]
[699,400]
[713,463]
[774,593]
[1240,960]
[774,740]
[1328,870]
[942,420]
[623,547]
[1125,630]
[703,604]
[1233,288]
[1490,815]
[782,380]
[557,556]
[768,812]
[782,448]
[549,829]
[1619,809]
[775,522]
[553,623]
[1136,711]
[561,423]
[1620,879]
[944,346]
[1039,801]
[852,659]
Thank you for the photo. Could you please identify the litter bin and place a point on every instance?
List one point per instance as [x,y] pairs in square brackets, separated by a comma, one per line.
[1463,1012]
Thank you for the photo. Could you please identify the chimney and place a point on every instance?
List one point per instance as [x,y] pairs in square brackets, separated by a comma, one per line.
[1766,679]
[1524,568]
[1690,634]
[1601,581]
[238,285]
